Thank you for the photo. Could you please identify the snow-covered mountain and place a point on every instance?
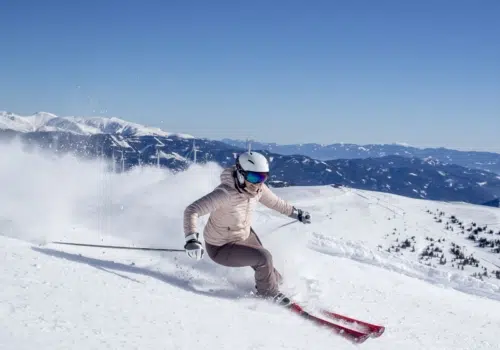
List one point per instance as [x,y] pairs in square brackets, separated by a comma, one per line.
[488,161]
[413,177]
[131,145]
[43,121]
[408,264]
[409,176]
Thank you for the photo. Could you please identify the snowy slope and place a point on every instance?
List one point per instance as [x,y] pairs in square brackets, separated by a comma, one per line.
[63,297]
[43,121]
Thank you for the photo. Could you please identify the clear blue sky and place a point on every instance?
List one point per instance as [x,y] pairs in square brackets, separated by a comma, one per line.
[422,72]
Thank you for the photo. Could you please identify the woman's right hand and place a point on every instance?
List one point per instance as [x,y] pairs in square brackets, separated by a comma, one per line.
[193,247]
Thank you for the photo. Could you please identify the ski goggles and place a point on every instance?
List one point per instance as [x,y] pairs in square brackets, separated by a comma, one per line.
[256,177]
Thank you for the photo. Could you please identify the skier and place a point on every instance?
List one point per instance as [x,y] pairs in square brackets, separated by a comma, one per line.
[229,238]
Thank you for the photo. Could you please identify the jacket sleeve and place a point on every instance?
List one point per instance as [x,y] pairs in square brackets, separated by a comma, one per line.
[203,206]
[272,201]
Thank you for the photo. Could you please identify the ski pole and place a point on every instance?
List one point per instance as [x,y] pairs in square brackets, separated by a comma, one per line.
[288,223]
[120,247]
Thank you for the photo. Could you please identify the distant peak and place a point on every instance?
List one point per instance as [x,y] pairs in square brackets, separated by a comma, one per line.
[42,113]
[46,121]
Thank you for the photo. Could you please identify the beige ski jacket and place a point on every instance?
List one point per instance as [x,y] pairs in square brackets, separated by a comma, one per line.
[230,210]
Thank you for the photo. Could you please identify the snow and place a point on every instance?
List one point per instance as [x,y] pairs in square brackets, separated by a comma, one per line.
[172,155]
[43,121]
[56,296]
[120,143]
[9,121]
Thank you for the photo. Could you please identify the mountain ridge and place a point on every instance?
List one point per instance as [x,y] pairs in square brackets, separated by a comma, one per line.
[489,161]
[413,177]
[128,145]
[43,121]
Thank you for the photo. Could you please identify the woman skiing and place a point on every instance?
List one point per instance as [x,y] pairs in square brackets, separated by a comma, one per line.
[229,237]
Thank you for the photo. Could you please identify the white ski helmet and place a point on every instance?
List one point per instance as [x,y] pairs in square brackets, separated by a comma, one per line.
[253,167]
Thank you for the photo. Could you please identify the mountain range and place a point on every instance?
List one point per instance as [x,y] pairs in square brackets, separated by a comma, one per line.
[130,144]
[488,161]
[43,121]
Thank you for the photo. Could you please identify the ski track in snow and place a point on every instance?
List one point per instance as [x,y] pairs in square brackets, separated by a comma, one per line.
[356,251]
[66,297]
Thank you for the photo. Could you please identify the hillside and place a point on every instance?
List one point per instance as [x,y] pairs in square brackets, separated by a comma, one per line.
[418,173]
[46,122]
[347,259]
[488,161]
[413,177]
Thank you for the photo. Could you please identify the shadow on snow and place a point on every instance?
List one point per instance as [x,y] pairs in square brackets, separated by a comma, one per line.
[112,267]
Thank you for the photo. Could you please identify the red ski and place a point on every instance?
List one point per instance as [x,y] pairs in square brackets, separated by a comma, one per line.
[353,335]
[373,330]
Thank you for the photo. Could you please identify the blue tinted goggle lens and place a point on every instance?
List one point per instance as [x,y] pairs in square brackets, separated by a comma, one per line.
[256,178]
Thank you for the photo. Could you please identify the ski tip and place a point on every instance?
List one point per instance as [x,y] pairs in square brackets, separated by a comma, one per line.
[361,339]
[378,333]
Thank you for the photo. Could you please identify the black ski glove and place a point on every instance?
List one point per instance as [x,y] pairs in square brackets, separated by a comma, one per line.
[302,216]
